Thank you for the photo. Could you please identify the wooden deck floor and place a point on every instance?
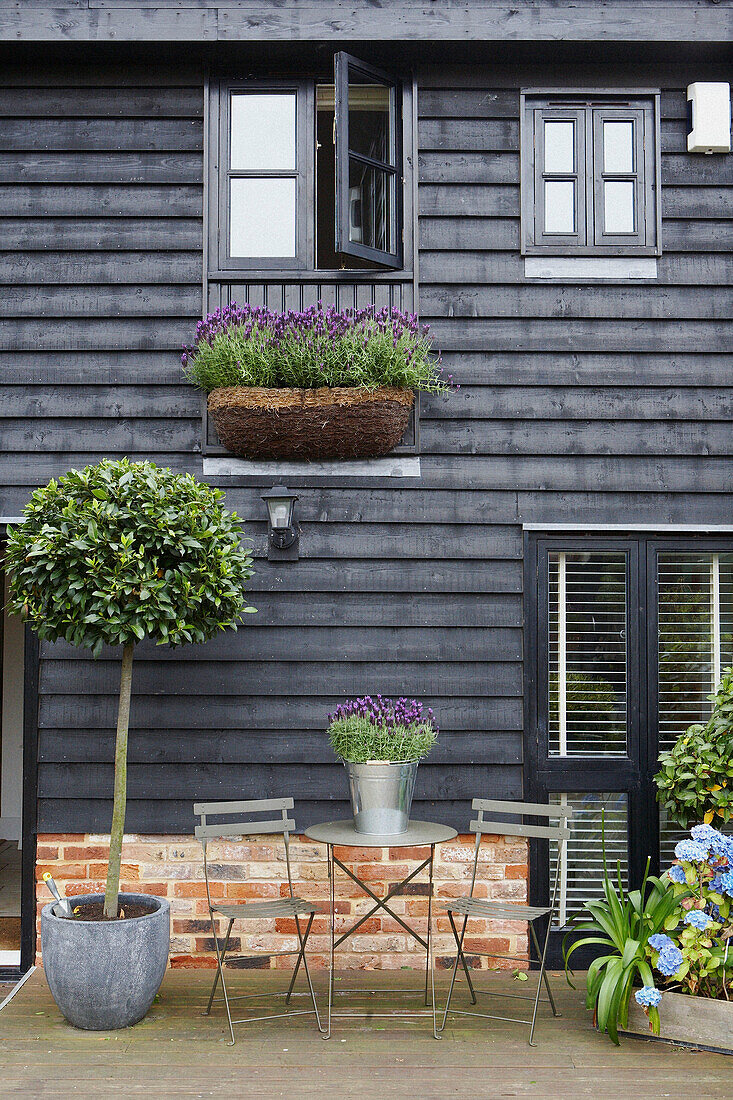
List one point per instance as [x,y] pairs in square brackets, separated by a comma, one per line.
[176,1052]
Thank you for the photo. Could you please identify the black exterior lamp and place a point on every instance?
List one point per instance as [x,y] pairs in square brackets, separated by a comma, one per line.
[284,532]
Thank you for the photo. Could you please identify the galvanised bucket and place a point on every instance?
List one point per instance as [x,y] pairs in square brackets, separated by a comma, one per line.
[381,796]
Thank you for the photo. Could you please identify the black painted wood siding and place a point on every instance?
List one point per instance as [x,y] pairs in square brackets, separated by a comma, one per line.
[594,404]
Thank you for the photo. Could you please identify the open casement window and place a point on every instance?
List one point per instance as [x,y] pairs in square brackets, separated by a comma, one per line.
[628,638]
[368,163]
[590,177]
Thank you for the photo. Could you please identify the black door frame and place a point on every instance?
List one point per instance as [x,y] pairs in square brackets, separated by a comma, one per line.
[632,775]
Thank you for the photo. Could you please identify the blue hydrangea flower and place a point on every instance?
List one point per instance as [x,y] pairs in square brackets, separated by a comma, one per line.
[648,997]
[676,873]
[659,941]
[698,918]
[704,834]
[691,851]
[669,961]
[726,883]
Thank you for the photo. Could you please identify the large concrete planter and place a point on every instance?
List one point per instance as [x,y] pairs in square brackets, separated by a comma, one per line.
[105,974]
[692,1021]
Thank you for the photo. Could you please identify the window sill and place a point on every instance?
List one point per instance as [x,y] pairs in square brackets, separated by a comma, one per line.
[572,268]
[397,466]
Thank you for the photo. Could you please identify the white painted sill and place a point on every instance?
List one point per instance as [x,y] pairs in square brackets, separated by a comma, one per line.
[397,466]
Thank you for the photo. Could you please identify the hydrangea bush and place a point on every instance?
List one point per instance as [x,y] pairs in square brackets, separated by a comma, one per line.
[370,729]
[695,952]
[319,346]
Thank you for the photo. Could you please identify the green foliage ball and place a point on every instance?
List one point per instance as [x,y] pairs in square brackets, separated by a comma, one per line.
[695,780]
[123,551]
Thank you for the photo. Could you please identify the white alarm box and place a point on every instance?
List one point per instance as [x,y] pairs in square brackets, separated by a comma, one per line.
[709,126]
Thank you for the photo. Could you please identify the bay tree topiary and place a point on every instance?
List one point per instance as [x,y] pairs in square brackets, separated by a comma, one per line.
[695,778]
[121,552]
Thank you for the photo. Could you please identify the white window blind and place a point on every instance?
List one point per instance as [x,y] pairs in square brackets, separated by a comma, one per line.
[695,593]
[587,684]
[595,817]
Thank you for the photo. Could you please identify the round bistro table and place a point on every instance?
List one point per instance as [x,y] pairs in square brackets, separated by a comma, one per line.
[420,834]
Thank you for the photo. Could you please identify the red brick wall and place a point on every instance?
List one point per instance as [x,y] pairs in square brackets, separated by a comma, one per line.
[171,867]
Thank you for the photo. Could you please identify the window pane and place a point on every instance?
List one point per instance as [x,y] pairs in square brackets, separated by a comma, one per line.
[597,819]
[371,114]
[587,654]
[262,217]
[619,206]
[618,147]
[559,206]
[263,132]
[371,203]
[695,593]
[560,146]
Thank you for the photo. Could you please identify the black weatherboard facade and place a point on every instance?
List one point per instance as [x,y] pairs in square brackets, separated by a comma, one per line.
[595,401]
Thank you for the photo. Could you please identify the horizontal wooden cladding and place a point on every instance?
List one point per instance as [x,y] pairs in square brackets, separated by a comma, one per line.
[260,712]
[309,676]
[209,781]
[96,334]
[500,268]
[86,234]
[463,166]
[149,400]
[83,135]
[35,200]
[584,403]
[590,368]
[242,746]
[577,437]
[147,300]
[454,233]
[54,101]
[48,269]
[576,301]
[578,336]
[472,200]
[34,166]
[466,101]
[121,435]
[502,134]
[131,366]
[161,670]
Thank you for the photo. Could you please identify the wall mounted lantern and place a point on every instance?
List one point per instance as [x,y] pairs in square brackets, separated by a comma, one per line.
[284,532]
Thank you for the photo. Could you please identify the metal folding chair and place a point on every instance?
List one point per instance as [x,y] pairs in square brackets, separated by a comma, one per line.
[468,907]
[291,906]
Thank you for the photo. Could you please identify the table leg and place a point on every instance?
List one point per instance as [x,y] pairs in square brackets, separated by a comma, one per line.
[431,944]
[332,935]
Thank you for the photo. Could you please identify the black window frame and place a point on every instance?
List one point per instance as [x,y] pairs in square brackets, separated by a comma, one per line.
[589,110]
[344,64]
[221,264]
[631,774]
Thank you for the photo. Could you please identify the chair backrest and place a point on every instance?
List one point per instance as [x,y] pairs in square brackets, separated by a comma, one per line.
[244,825]
[243,811]
[560,815]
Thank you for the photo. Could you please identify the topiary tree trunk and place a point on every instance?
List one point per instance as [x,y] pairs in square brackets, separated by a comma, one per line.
[119,802]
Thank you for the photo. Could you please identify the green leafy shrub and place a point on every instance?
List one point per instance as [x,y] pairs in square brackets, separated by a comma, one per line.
[624,921]
[120,552]
[248,346]
[695,778]
[388,730]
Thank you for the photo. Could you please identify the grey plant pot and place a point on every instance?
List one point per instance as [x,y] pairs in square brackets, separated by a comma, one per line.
[381,796]
[104,974]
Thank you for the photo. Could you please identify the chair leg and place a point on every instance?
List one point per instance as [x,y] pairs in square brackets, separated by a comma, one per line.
[464,964]
[555,1011]
[454,975]
[540,980]
[220,974]
[307,971]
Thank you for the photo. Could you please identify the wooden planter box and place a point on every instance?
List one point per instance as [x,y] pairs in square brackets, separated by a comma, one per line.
[692,1021]
[342,422]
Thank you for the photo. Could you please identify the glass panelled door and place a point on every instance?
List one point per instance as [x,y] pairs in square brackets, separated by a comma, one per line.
[627,640]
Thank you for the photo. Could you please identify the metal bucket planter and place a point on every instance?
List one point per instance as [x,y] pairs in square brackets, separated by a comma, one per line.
[381,796]
[690,1021]
[105,974]
[340,422]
